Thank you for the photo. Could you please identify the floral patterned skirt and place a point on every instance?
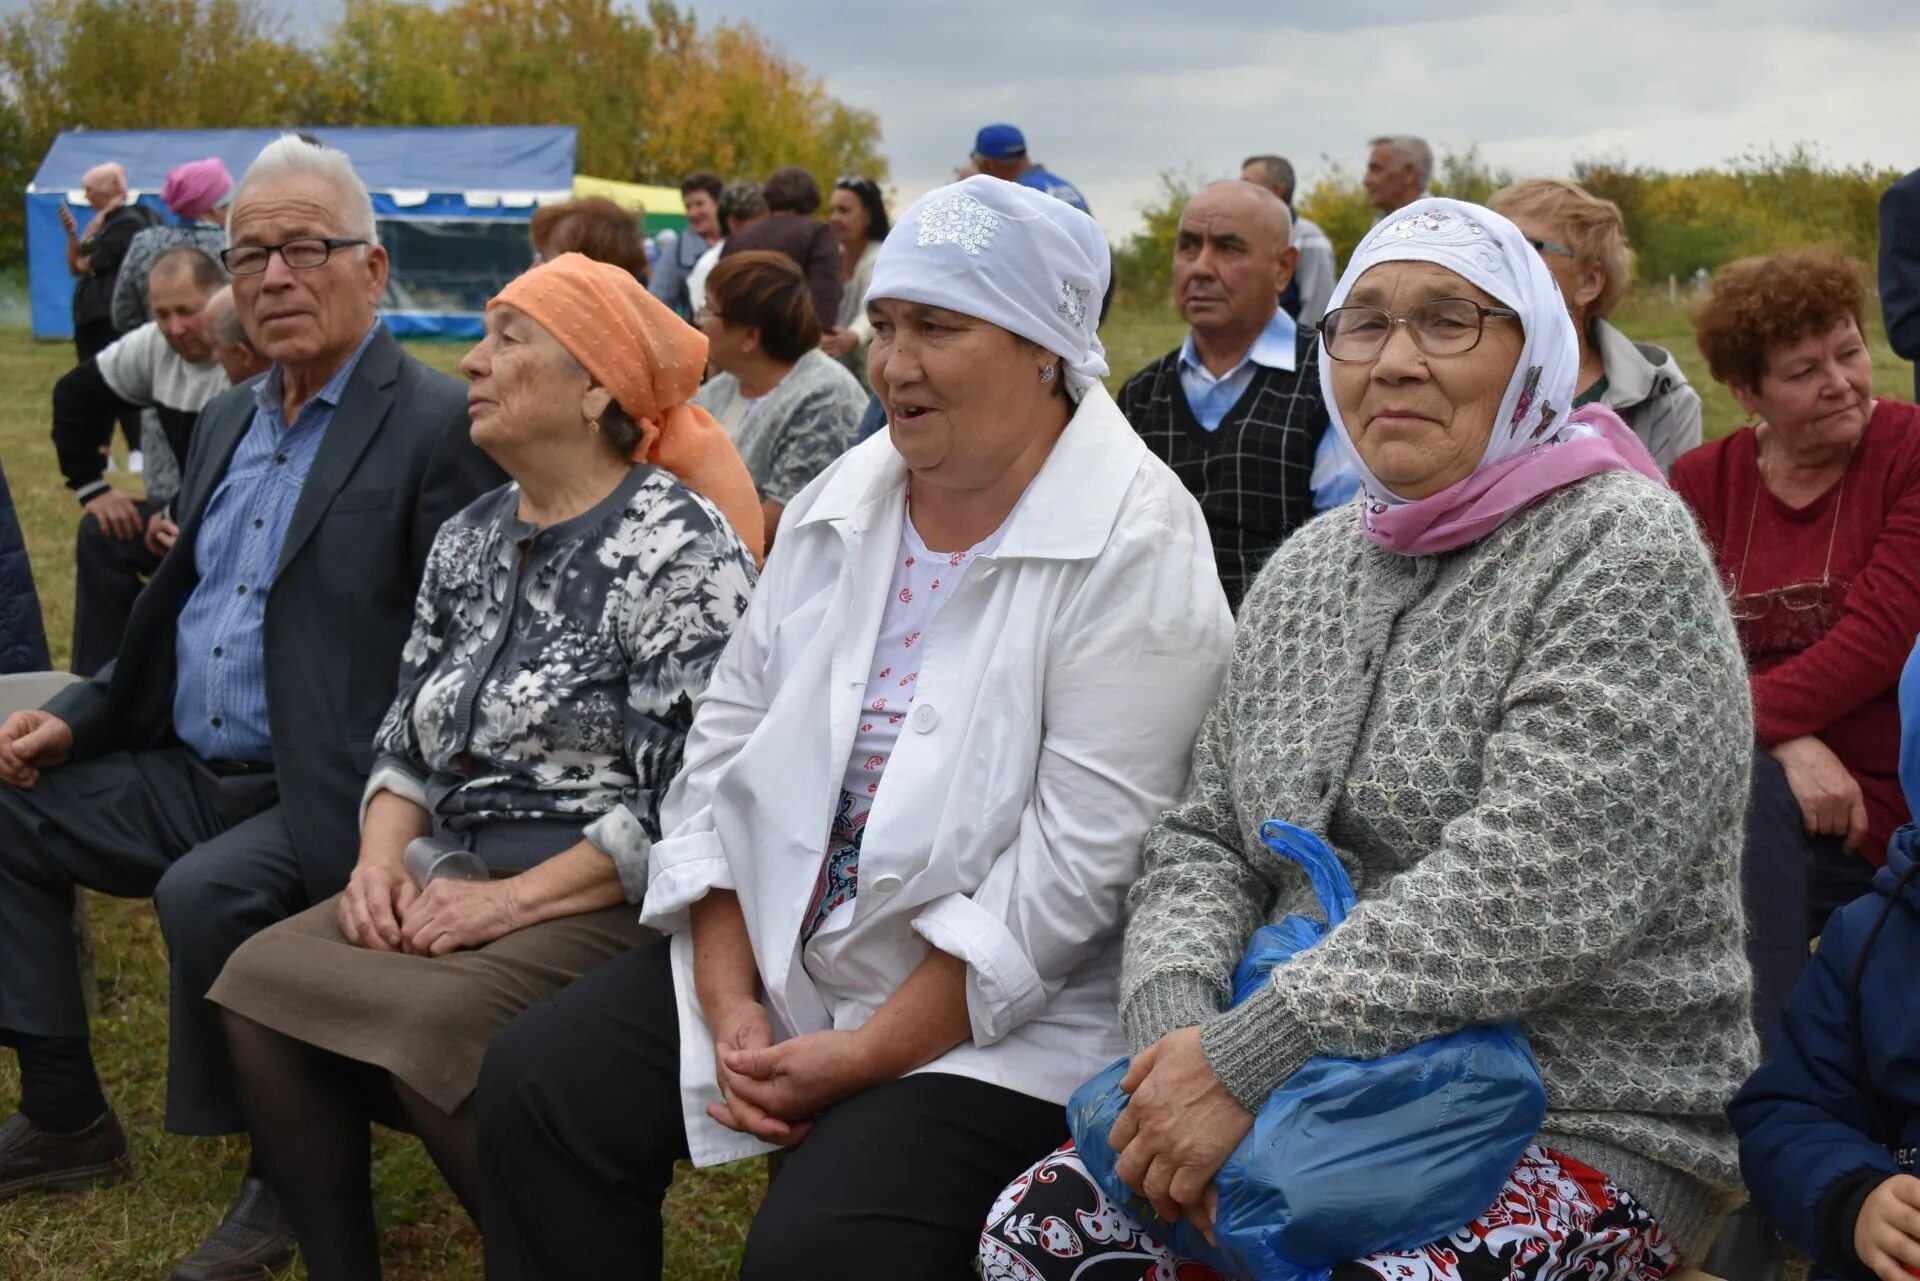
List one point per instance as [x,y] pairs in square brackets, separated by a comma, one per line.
[1556,1220]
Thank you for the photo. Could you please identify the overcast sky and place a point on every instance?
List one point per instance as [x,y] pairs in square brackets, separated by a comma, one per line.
[1112,92]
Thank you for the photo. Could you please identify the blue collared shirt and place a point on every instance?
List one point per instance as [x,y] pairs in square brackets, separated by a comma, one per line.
[220,696]
[1334,480]
[1210,398]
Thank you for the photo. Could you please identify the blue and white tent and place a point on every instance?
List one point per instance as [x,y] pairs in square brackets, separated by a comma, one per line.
[452,205]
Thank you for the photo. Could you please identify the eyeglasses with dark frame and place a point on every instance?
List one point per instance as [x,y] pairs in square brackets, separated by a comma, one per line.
[1549,247]
[1439,327]
[301,253]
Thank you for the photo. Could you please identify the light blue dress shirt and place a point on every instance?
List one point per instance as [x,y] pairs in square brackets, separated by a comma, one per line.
[1334,480]
[220,695]
[1210,398]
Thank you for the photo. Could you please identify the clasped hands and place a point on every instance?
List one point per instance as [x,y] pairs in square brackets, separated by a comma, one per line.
[773,1092]
[1179,1127]
[384,911]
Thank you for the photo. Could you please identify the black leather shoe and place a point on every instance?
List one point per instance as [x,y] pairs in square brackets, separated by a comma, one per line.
[32,1158]
[253,1241]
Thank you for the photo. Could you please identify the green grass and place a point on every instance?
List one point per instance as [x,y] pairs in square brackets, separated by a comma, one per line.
[181,1186]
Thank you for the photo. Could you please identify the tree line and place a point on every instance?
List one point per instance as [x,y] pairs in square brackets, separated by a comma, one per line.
[1678,223]
[653,94]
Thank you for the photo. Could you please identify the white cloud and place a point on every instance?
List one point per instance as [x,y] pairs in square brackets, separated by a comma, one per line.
[1112,93]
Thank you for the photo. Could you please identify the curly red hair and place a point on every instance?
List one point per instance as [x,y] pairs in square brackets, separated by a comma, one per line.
[1755,305]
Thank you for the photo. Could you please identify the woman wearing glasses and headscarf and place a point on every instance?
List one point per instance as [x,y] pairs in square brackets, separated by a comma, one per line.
[1506,691]
[914,797]
[1814,517]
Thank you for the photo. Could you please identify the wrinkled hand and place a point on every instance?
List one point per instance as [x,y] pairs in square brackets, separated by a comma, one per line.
[1178,1128]
[161,533]
[378,895]
[796,1080]
[745,1028]
[30,742]
[117,514]
[1830,800]
[450,915]
[838,343]
[1886,1236]
[67,220]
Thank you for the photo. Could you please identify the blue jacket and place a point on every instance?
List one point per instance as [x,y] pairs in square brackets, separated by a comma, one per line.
[23,637]
[1817,1133]
[1900,269]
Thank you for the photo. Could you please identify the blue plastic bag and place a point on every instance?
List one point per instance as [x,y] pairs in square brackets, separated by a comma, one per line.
[1347,1157]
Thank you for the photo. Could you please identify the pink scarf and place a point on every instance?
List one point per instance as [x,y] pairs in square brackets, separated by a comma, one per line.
[1470,509]
[1534,447]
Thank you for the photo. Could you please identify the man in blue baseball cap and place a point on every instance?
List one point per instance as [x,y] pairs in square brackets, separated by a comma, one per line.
[1000,151]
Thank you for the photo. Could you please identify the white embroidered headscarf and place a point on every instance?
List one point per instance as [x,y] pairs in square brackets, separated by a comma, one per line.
[1011,256]
[1539,443]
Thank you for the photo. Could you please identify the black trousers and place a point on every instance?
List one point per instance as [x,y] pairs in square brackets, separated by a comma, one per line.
[108,575]
[213,853]
[580,1124]
[1793,882]
[90,338]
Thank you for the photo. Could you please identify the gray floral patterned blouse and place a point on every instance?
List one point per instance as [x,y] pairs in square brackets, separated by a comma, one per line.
[551,672]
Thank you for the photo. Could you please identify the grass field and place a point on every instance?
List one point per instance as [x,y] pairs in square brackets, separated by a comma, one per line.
[180,1186]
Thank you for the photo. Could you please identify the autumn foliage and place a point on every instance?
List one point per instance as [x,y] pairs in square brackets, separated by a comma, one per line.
[652,93]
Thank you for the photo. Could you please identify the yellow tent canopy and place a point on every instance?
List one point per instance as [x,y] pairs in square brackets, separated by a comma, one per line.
[662,205]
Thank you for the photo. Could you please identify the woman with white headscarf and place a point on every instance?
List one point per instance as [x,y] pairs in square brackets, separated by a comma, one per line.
[1506,690]
[913,799]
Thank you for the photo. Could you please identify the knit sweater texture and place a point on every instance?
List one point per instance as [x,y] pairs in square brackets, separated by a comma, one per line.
[1532,756]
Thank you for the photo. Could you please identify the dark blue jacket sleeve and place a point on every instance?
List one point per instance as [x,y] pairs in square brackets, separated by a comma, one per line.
[1805,1149]
[1900,268]
[23,637]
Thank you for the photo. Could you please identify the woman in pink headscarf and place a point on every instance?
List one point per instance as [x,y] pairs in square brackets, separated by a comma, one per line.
[196,193]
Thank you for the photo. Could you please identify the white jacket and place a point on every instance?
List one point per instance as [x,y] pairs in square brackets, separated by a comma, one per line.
[1058,697]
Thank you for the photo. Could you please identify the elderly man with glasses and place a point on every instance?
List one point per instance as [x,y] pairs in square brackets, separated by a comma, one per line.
[217,764]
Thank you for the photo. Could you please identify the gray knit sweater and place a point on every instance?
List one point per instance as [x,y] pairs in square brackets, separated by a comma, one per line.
[1532,755]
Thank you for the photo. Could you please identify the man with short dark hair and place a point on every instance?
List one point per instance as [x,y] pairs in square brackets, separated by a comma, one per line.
[700,194]
[1236,409]
[1000,151]
[217,763]
[166,368]
[1399,167]
[790,228]
[1306,297]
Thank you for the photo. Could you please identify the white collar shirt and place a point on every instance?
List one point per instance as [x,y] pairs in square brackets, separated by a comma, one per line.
[1057,699]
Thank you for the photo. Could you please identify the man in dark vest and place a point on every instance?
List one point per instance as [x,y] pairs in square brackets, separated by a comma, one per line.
[217,764]
[1235,410]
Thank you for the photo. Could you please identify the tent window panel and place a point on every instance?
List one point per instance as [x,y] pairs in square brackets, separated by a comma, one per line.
[451,266]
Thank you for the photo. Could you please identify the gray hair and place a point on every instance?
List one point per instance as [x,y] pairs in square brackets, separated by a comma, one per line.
[1278,171]
[290,156]
[741,200]
[227,329]
[1409,150]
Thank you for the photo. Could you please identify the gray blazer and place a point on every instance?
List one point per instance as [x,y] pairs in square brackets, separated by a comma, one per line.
[397,460]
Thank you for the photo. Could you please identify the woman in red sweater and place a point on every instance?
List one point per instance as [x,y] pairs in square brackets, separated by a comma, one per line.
[1814,516]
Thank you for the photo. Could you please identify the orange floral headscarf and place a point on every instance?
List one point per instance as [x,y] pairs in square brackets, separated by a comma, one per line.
[652,361]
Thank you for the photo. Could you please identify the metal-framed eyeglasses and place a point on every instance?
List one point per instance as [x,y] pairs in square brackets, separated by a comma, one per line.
[302,253]
[1438,326]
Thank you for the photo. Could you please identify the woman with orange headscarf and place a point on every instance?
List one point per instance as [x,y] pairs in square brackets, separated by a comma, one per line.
[565,624]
